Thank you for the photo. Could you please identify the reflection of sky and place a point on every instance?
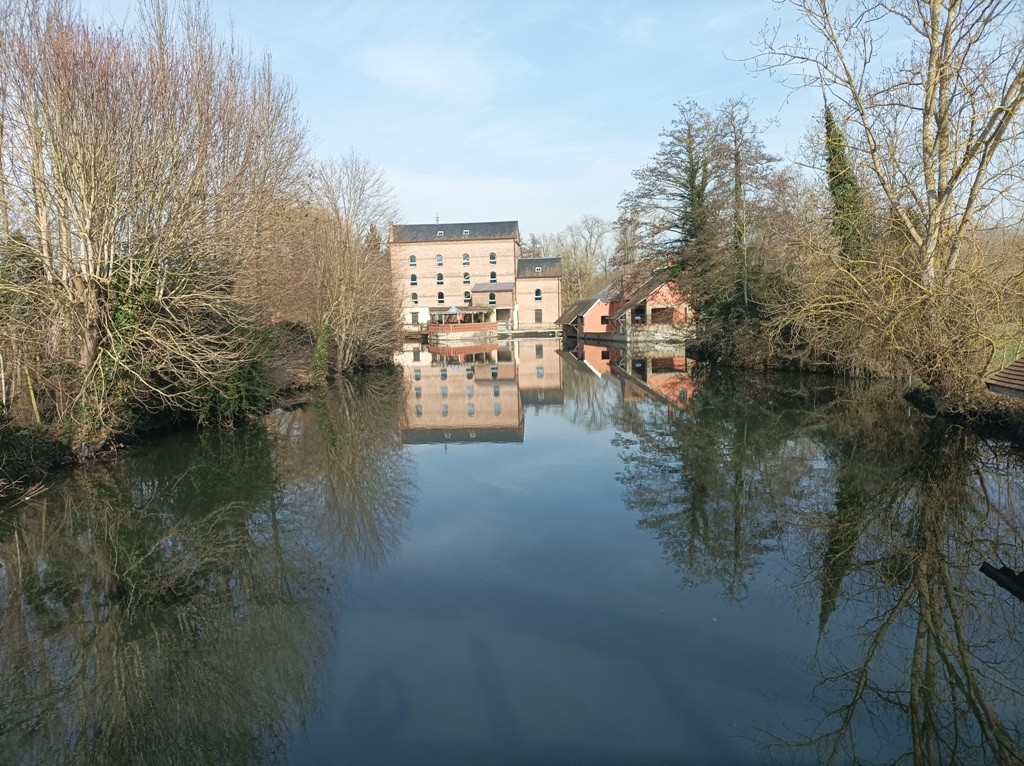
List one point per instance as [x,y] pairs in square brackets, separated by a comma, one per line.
[527,616]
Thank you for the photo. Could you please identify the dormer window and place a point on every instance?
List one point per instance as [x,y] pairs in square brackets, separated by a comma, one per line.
[538,269]
[465,232]
[440,233]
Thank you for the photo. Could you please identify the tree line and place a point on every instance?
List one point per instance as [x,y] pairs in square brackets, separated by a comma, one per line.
[162,222]
[891,246]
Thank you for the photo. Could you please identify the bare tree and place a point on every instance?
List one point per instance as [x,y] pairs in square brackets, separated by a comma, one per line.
[140,164]
[937,131]
[356,304]
[585,252]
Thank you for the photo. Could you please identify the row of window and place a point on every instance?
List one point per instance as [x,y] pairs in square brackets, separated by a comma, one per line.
[492,278]
[538,294]
[492,299]
[470,391]
[439,259]
[470,410]
[470,374]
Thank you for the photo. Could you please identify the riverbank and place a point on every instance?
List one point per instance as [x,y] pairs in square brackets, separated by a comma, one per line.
[30,454]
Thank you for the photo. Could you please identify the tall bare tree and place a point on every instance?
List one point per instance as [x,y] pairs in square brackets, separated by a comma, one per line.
[586,255]
[140,164]
[930,93]
[940,126]
[357,308]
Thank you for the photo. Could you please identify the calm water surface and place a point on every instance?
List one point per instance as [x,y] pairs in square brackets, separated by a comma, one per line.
[520,555]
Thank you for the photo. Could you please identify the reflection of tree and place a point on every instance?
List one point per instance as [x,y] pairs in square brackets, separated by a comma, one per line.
[347,460]
[169,607]
[710,481]
[925,647]
[139,624]
[587,399]
[887,515]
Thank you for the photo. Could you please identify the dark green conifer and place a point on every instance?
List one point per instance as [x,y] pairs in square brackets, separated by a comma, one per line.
[848,216]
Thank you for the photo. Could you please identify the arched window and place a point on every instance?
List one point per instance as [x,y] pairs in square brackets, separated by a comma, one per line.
[466,298]
[492,258]
[439,258]
[412,261]
[440,299]
[493,277]
[412,280]
[491,299]
[440,278]
[415,297]
[465,259]
[536,294]
[465,277]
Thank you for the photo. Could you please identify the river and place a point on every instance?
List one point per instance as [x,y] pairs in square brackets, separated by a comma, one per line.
[518,554]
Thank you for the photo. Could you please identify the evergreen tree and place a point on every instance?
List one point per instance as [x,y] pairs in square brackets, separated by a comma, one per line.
[848,216]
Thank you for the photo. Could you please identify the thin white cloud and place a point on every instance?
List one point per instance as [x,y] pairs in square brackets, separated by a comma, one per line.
[430,69]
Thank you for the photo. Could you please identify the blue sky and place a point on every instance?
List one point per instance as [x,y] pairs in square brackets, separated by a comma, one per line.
[530,110]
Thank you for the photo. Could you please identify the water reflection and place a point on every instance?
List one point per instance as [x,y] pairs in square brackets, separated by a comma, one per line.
[479,393]
[915,640]
[170,607]
[177,606]
[341,459]
[885,516]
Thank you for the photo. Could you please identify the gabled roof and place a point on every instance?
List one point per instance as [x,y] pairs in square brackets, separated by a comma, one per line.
[579,308]
[538,267]
[575,310]
[1009,380]
[641,294]
[448,232]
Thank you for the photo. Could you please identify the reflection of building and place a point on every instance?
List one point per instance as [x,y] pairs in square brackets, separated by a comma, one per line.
[540,371]
[480,393]
[461,394]
[455,274]
[477,393]
[668,379]
[654,374]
